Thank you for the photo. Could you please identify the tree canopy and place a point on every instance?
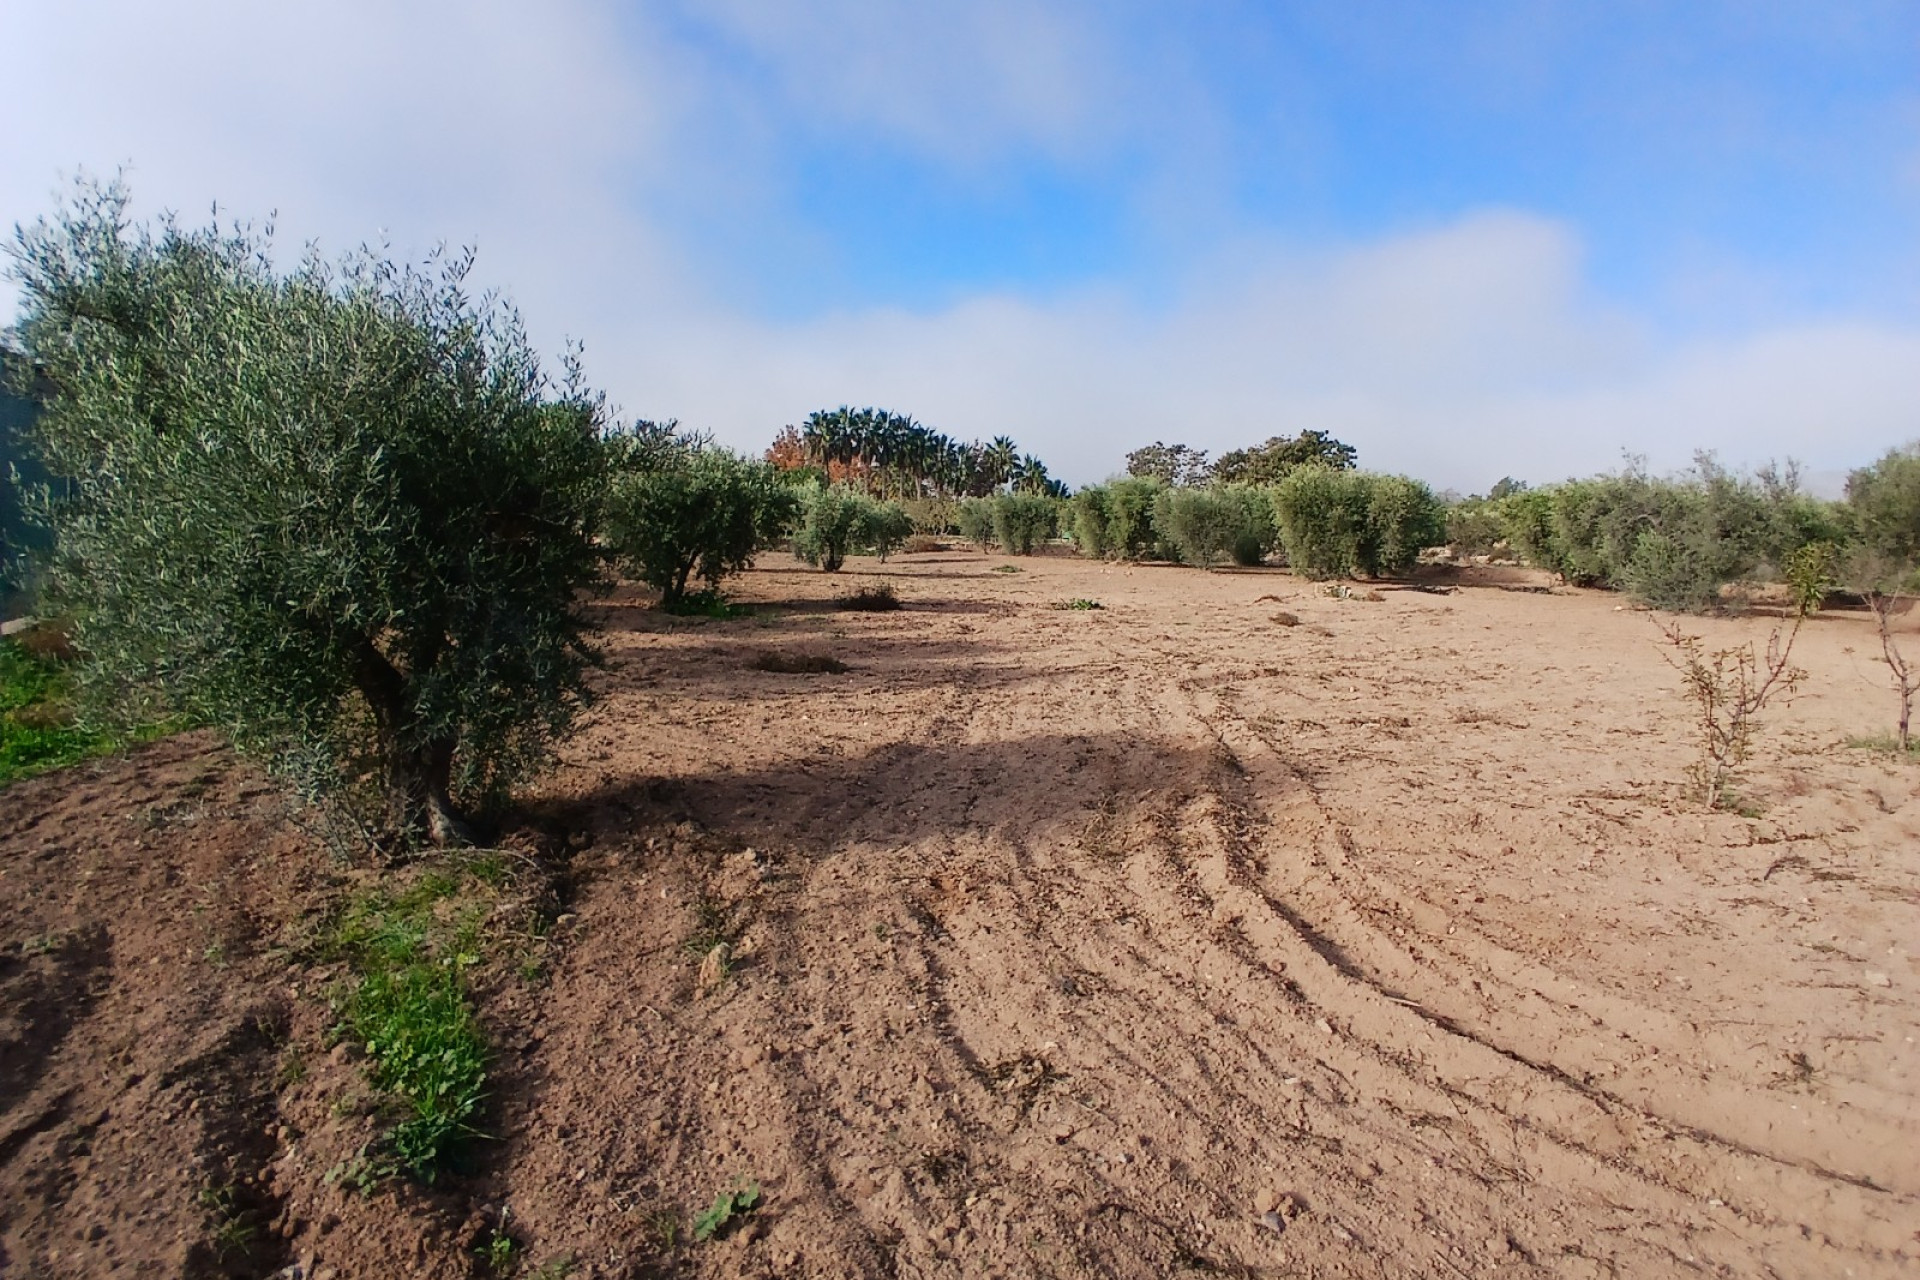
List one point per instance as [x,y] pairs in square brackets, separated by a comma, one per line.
[339,512]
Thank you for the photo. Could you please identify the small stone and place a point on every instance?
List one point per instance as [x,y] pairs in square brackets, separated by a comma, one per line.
[1878,979]
[1326,1028]
[1062,1132]
[1273,1222]
[713,968]
[1264,1200]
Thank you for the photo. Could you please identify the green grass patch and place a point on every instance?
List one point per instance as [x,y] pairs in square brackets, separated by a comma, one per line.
[1887,745]
[707,604]
[38,732]
[1078,604]
[408,1009]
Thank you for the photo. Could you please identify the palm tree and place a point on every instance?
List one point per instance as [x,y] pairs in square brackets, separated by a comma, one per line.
[1002,456]
[1029,475]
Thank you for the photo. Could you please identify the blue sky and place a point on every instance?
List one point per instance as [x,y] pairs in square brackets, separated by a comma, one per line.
[1475,240]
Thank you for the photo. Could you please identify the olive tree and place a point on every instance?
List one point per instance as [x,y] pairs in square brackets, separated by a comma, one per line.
[705,511]
[338,512]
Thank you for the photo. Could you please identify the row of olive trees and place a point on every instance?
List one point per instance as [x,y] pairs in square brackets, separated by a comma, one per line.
[697,513]
[1676,542]
[1328,521]
[341,513]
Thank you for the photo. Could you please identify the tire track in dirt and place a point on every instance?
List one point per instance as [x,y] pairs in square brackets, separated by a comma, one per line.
[1081,948]
[1338,932]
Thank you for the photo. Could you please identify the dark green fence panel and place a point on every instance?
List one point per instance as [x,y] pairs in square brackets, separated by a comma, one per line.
[18,467]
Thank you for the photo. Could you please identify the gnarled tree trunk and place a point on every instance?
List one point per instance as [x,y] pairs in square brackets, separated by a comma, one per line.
[419,779]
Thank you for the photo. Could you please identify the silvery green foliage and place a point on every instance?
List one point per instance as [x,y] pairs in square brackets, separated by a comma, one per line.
[1334,523]
[339,513]
[704,511]
[836,520]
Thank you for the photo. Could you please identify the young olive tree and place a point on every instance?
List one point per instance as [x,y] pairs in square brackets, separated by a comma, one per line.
[836,520]
[1022,521]
[1202,524]
[707,511]
[339,513]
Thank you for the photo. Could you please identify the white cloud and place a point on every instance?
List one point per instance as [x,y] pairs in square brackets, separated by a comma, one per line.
[960,78]
[1459,352]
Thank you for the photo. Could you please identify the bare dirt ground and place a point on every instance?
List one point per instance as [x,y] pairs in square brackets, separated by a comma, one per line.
[1156,938]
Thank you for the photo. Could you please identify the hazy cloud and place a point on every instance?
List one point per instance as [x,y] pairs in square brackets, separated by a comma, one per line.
[577,146]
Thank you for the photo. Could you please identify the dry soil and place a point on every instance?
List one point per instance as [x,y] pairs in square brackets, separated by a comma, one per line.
[1229,927]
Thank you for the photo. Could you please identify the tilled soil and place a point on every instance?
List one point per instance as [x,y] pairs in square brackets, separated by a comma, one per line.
[1229,927]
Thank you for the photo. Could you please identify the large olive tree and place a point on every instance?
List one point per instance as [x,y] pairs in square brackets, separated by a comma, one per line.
[338,512]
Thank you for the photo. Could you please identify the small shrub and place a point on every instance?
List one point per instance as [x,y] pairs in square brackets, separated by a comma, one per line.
[1078,603]
[1021,521]
[1209,525]
[874,598]
[1905,680]
[833,519]
[800,664]
[708,513]
[1728,688]
[885,528]
[1130,530]
[1006,568]
[1088,511]
[1474,527]
[1322,514]
[1812,572]
[975,521]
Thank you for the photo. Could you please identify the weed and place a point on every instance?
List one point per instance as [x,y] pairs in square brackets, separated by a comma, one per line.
[1007,568]
[232,1230]
[711,927]
[1078,603]
[215,954]
[410,1011]
[500,1254]
[799,664]
[292,1068]
[363,1171]
[1887,745]
[424,1047]
[37,732]
[728,1210]
[665,1224]
[707,604]
[878,598]
[1799,1072]
[1023,1079]
[1728,689]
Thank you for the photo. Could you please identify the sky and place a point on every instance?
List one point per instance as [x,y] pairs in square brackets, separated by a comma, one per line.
[1472,239]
